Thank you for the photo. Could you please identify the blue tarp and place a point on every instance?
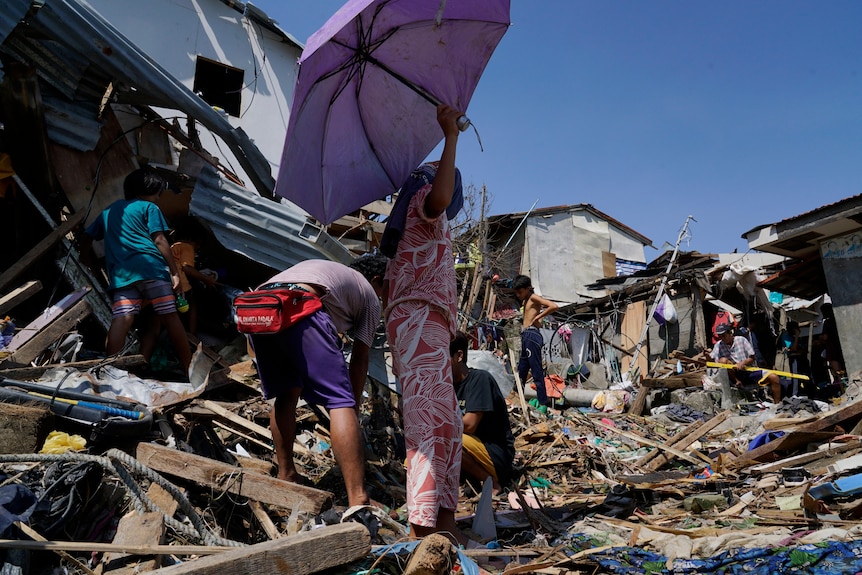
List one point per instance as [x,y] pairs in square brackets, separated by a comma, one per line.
[826,558]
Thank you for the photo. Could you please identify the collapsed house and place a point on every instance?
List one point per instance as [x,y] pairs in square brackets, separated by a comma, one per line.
[85,100]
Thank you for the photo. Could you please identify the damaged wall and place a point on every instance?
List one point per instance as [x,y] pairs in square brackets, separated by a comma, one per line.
[841,258]
[567,251]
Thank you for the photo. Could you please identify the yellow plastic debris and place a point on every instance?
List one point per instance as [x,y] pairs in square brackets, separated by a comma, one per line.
[61,442]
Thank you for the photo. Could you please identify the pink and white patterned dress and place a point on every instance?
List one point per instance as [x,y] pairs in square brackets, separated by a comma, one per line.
[420,322]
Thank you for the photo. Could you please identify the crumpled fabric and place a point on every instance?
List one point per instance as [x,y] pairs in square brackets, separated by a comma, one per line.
[610,401]
[796,404]
[16,504]
[684,413]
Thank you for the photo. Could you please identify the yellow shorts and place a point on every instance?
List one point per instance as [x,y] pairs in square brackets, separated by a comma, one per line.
[472,445]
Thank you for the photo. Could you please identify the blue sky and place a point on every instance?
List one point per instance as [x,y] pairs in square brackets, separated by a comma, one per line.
[738,113]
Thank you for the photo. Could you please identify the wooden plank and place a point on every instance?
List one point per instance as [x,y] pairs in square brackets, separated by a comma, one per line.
[93,547]
[136,529]
[792,441]
[673,442]
[264,520]
[238,420]
[141,529]
[18,295]
[630,330]
[44,319]
[693,435]
[525,411]
[804,458]
[40,249]
[785,422]
[637,407]
[646,441]
[64,323]
[381,207]
[30,532]
[225,477]
[301,554]
[244,423]
[848,415]
[123,362]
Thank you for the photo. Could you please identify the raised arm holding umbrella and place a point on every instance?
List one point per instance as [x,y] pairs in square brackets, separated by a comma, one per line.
[420,322]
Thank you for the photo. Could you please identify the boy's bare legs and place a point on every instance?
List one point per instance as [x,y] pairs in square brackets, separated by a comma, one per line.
[177,333]
[116,339]
[349,453]
[282,423]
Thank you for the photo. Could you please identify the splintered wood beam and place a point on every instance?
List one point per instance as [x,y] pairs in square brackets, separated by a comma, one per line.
[59,326]
[301,554]
[40,249]
[225,477]
[141,529]
[10,300]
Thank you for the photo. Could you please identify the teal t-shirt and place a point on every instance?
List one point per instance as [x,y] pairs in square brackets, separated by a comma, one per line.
[127,226]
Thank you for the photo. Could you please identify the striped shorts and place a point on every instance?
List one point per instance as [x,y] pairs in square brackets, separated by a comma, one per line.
[129,299]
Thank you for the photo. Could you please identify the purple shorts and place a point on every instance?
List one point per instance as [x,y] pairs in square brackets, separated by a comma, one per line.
[306,355]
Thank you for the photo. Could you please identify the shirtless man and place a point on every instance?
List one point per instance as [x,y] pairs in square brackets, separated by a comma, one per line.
[535,309]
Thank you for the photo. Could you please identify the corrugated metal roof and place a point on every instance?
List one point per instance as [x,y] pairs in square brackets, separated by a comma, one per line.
[65,35]
[277,235]
[538,212]
[11,14]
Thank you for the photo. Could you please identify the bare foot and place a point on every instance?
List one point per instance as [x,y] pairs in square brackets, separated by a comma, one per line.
[296,478]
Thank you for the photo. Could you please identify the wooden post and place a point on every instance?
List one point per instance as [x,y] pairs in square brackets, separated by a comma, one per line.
[519,385]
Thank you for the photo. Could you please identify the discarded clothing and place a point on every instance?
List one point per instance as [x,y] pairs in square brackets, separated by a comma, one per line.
[764,438]
[824,558]
[684,413]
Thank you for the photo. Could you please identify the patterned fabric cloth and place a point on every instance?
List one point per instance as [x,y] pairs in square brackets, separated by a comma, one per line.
[826,558]
[423,269]
[420,322]
[419,339]
[740,350]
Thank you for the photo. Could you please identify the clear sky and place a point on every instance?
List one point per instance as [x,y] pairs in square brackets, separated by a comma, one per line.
[738,113]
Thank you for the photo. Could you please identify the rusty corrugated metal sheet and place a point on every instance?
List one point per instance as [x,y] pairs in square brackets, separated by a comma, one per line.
[10,16]
[277,235]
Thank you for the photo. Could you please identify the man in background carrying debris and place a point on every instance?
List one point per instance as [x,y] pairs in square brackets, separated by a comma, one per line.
[306,360]
[737,350]
[488,445]
[140,264]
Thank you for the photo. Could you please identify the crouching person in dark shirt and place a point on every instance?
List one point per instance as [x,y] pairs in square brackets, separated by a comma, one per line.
[488,445]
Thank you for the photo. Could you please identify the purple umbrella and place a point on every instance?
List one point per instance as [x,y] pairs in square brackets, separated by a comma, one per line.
[363,113]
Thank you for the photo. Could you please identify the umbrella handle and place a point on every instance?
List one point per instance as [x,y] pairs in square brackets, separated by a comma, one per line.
[463,123]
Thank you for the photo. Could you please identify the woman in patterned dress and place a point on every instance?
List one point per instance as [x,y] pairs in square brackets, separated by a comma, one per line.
[420,317]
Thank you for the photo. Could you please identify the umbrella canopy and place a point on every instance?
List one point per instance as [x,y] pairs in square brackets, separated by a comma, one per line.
[363,114]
